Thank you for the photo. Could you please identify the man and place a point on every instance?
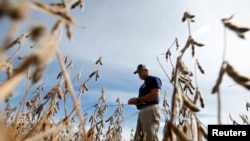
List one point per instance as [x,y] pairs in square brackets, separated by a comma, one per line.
[147,103]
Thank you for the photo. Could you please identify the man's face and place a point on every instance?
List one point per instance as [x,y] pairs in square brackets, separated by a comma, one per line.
[142,74]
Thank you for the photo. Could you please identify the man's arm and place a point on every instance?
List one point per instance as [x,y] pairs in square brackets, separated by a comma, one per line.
[152,96]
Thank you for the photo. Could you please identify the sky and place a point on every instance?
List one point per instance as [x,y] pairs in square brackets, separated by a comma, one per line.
[126,33]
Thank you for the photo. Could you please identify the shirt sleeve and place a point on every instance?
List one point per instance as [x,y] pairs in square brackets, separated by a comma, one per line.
[155,82]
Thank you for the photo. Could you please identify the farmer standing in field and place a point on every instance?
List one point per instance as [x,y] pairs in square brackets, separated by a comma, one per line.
[147,103]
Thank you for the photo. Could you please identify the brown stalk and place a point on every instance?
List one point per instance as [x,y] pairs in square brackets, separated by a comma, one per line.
[71,91]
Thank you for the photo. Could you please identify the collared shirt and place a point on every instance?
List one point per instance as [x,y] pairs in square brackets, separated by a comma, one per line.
[150,83]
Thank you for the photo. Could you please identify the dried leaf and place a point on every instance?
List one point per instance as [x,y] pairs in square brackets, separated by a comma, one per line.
[69,31]
[193,42]
[99,61]
[176,43]
[235,28]
[19,41]
[56,27]
[247,105]
[193,50]
[219,80]
[37,75]
[188,42]
[168,54]
[190,104]
[16,10]
[84,86]
[242,80]
[186,16]
[199,67]
[37,32]
[79,76]
[103,90]
[183,67]
[92,74]
[76,3]
[91,132]
[227,19]
[110,118]
[97,75]
[182,136]
[187,87]
[182,79]
[56,11]
[196,96]
[202,101]
[240,31]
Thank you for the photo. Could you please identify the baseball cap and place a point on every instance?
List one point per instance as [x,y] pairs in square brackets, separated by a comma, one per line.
[141,67]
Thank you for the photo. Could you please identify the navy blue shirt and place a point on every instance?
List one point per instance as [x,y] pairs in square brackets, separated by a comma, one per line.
[150,83]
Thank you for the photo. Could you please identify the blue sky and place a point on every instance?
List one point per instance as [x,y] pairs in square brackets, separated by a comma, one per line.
[129,32]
